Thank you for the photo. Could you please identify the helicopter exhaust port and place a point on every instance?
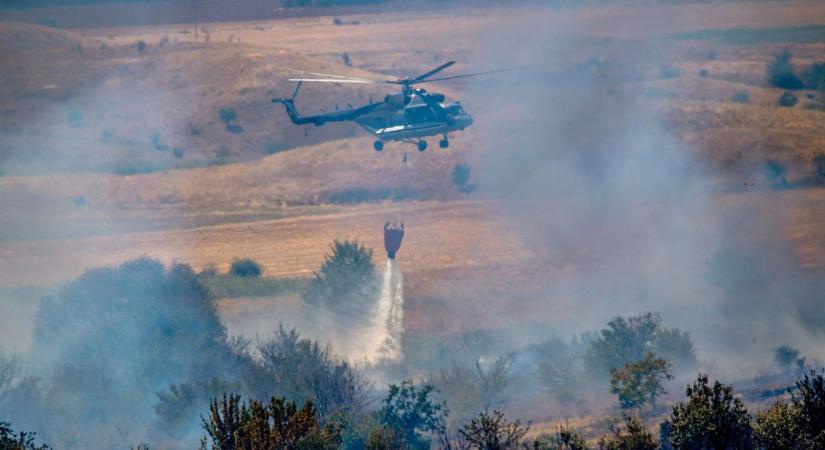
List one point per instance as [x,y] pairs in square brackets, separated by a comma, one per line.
[378,145]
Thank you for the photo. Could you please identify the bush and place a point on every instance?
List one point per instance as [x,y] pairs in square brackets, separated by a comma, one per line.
[461,178]
[629,340]
[234,128]
[492,431]
[271,148]
[741,97]
[558,373]
[712,418]
[775,173]
[412,413]
[468,390]
[245,267]
[274,426]
[346,282]
[632,436]
[781,72]
[227,115]
[814,77]
[777,428]
[301,369]
[640,382]
[140,46]
[175,321]
[788,99]
[562,439]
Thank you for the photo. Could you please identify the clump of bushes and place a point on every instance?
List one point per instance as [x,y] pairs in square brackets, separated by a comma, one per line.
[467,390]
[741,97]
[788,99]
[245,267]
[272,147]
[234,128]
[461,178]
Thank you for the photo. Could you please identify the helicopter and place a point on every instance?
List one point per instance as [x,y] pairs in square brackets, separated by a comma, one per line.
[406,116]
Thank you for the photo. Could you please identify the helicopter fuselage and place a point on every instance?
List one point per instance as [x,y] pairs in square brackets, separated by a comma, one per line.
[408,115]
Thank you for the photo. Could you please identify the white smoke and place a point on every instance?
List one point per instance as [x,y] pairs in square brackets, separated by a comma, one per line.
[380,339]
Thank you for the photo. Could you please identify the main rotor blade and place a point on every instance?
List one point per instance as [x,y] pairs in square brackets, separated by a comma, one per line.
[433,72]
[336,80]
[468,75]
[326,75]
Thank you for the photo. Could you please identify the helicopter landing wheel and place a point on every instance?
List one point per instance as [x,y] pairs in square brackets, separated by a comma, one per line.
[378,145]
[444,143]
[422,145]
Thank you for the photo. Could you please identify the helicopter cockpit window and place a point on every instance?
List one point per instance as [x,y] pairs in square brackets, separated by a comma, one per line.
[418,114]
[456,110]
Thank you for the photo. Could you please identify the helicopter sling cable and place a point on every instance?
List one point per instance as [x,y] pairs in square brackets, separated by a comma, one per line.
[394,232]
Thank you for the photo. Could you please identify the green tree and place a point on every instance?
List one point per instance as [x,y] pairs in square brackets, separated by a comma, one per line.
[629,340]
[631,436]
[809,401]
[778,428]
[492,431]
[712,418]
[9,440]
[781,72]
[413,413]
[640,382]
[346,282]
